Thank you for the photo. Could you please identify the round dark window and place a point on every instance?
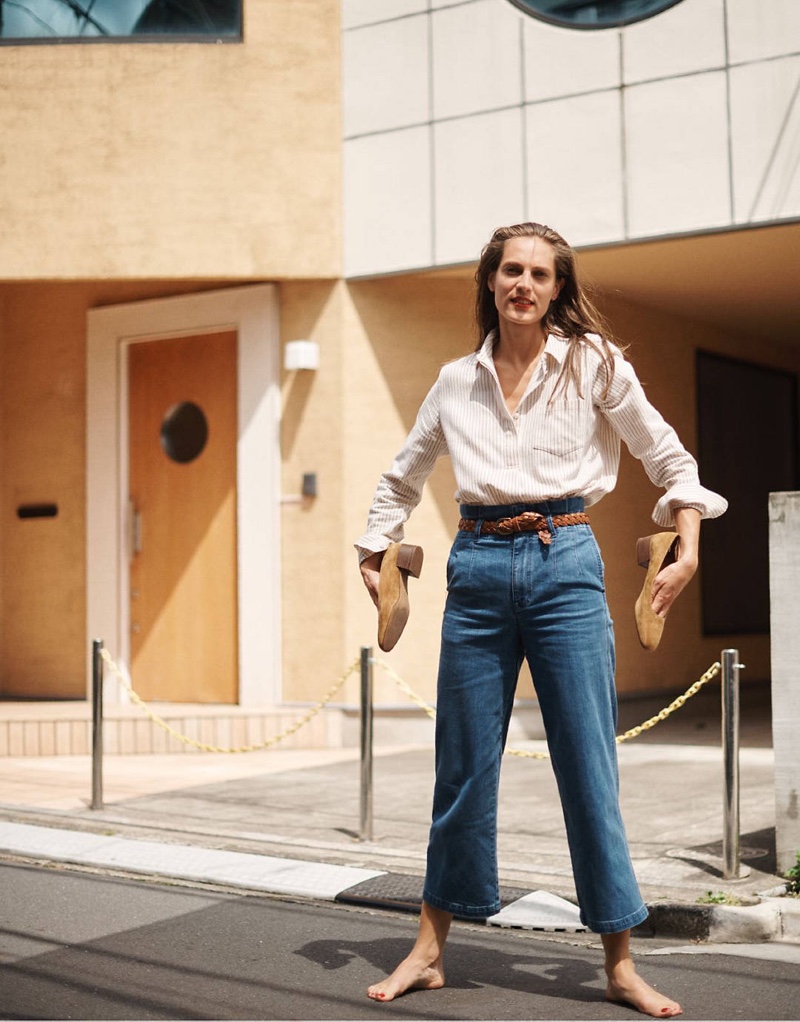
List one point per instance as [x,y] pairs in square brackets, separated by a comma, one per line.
[594,13]
[184,432]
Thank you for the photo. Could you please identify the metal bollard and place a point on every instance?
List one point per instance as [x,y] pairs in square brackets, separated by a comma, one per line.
[97,725]
[365,828]
[731,867]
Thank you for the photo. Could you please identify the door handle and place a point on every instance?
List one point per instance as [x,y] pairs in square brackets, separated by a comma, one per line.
[137,532]
[135,523]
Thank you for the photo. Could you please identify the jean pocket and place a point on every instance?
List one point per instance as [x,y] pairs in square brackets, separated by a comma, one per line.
[578,558]
[459,563]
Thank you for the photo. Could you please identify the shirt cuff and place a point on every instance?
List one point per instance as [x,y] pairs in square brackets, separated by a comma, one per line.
[368,545]
[708,503]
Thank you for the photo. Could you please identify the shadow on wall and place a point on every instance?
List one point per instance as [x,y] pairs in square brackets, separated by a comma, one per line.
[415,325]
[302,306]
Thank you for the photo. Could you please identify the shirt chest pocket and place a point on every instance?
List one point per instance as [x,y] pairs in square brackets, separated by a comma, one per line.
[559,428]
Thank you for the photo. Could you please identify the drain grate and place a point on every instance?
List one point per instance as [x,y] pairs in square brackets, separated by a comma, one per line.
[404,891]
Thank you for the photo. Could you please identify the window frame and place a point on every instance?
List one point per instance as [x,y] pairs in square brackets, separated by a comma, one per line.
[527,7]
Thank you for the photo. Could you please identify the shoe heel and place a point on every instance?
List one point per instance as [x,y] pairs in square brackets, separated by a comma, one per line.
[644,547]
[409,558]
[643,551]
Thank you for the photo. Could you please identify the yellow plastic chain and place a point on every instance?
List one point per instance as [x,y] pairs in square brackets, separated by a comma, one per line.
[633,732]
[202,746]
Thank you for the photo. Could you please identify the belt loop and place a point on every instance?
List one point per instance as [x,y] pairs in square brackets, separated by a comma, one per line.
[478,527]
[545,535]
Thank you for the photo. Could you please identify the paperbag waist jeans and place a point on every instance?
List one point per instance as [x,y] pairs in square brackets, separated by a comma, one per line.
[511,597]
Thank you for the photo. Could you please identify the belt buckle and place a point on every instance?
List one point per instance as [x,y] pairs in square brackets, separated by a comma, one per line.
[533,517]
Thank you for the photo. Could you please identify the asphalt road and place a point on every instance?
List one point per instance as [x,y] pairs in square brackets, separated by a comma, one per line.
[79,945]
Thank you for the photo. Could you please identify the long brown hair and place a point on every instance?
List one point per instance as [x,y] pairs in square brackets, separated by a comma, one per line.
[571,315]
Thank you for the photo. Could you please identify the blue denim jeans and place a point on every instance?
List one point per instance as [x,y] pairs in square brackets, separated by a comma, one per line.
[511,597]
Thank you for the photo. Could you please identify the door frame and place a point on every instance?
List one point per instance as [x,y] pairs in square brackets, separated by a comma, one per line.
[253,312]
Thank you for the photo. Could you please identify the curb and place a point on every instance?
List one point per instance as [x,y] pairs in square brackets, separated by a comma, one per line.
[789,912]
[774,918]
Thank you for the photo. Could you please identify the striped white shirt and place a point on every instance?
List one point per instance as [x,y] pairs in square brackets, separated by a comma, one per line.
[548,449]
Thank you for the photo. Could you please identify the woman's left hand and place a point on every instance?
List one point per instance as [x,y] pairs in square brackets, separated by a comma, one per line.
[670,582]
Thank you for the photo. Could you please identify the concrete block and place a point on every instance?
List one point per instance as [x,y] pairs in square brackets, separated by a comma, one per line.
[784,571]
[789,910]
[790,919]
[749,924]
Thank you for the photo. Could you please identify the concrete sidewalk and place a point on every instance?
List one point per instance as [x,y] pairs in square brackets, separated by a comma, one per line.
[304,806]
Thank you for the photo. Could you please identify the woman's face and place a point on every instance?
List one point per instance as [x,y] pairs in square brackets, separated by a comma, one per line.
[525,282]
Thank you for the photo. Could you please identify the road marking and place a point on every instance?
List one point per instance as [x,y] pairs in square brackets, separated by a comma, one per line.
[211,865]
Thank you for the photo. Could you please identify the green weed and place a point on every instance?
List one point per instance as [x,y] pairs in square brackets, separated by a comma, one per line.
[719,898]
[793,878]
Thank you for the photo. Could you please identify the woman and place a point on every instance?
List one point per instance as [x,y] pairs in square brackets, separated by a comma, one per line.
[532,421]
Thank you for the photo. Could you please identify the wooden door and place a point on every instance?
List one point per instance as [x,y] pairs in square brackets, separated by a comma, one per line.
[182,436]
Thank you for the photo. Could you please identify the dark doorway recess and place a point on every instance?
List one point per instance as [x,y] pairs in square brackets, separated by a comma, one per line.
[747,448]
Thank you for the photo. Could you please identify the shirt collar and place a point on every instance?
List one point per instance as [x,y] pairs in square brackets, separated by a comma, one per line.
[555,346]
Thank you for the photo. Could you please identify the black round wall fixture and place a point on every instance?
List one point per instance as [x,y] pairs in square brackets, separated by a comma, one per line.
[184,432]
[593,13]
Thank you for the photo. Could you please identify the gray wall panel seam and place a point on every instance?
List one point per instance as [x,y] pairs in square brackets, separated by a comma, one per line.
[728,118]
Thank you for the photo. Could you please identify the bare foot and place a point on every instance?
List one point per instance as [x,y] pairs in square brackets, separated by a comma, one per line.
[624,984]
[410,974]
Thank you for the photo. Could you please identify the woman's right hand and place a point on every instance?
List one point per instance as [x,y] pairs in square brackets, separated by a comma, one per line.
[371,573]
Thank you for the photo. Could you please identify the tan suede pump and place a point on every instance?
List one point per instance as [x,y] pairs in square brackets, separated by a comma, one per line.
[399,561]
[654,553]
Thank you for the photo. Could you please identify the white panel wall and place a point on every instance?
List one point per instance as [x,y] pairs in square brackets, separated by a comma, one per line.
[479,180]
[388,195]
[686,38]
[385,76]
[476,58]
[765,129]
[366,12]
[677,158]
[562,62]
[461,115]
[758,29]
[574,166]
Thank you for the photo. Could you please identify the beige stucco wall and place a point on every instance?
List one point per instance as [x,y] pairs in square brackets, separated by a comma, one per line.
[313,653]
[176,160]
[43,459]
[381,345]
[344,422]
[183,167]
[42,442]
[400,330]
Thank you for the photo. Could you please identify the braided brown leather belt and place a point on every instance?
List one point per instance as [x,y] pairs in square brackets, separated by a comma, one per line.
[528,521]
